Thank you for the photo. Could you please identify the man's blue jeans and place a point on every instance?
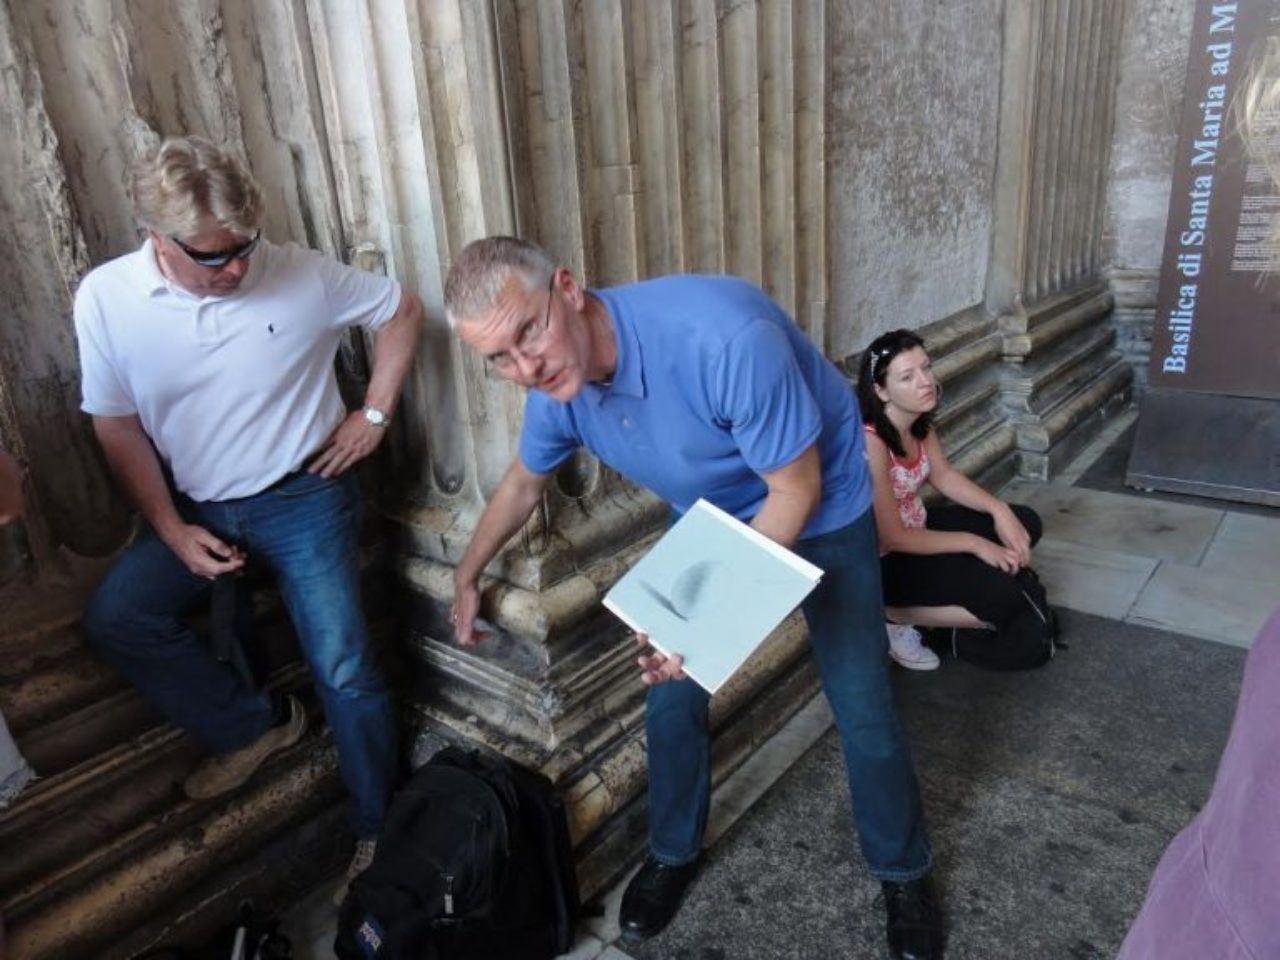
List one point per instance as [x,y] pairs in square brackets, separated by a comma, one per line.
[845,614]
[305,531]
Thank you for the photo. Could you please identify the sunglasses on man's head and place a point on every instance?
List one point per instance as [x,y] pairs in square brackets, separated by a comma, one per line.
[219,258]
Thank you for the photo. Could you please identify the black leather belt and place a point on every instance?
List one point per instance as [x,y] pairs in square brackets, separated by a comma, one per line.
[230,617]
[291,475]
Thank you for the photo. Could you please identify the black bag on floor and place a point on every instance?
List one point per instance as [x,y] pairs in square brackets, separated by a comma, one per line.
[1028,640]
[473,863]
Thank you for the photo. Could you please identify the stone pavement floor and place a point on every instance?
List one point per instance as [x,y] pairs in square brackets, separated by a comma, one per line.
[1050,795]
[1200,567]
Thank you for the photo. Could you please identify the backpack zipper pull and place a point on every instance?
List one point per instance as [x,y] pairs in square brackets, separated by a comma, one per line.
[448,895]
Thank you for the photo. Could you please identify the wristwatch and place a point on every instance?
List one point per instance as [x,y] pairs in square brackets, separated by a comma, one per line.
[377,417]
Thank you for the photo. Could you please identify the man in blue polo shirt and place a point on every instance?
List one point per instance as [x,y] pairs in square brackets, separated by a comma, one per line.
[704,387]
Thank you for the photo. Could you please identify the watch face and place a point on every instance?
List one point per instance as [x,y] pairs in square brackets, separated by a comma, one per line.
[375,416]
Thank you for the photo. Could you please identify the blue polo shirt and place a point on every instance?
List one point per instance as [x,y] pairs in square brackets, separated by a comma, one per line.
[714,386]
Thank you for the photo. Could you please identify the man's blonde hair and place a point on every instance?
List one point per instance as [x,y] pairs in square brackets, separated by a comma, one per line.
[187,178]
[480,272]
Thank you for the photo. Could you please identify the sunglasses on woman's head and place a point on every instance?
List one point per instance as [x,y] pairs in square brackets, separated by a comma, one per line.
[879,354]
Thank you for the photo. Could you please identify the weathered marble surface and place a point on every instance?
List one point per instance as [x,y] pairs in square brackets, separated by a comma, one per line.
[1149,91]
[915,91]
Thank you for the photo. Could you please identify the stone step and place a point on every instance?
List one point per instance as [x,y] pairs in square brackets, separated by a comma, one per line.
[1029,332]
[105,850]
[66,706]
[956,344]
[55,687]
[274,875]
[1062,377]
[1059,433]
[73,811]
[974,357]
[968,408]
[971,423]
[62,744]
[81,910]
[26,650]
[1040,384]
[952,333]
[120,783]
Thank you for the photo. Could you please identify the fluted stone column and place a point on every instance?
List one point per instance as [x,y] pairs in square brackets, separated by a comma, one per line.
[641,139]
[71,510]
[1062,374]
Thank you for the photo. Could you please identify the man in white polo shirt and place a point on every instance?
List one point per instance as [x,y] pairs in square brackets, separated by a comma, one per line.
[207,359]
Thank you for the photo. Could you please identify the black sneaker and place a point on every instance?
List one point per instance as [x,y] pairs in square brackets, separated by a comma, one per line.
[652,898]
[914,923]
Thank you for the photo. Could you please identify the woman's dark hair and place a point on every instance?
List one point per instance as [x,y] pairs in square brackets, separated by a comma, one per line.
[871,371]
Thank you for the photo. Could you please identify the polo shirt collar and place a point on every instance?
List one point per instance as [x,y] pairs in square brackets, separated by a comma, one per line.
[152,281]
[628,374]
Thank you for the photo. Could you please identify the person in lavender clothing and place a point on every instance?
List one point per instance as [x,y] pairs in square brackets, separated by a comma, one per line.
[1216,891]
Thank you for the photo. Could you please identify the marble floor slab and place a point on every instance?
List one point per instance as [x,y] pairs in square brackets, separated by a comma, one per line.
[1209,602]
[734,797]
[1111,521]
[1050,795]
[1248,546]
[1102,582]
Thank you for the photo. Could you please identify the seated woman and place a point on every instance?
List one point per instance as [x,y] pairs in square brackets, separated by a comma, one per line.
[957,565]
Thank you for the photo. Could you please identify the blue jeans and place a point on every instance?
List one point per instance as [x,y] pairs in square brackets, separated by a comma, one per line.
[845,615]
[305,531]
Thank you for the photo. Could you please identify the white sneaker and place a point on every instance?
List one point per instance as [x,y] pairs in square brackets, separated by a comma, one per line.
[906,648]
[365,849]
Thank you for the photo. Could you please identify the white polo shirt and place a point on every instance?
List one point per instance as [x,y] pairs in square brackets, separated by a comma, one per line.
[234,391]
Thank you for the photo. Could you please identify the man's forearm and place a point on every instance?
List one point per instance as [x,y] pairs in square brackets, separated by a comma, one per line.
[137,469]
[783,517]
[508,509]
[394,349]
[795,491]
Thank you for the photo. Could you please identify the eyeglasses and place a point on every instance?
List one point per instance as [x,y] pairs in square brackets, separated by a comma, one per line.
[219,258]
[531,338]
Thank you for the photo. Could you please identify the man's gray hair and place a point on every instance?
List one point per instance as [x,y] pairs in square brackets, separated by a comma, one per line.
[188,178]
[480,272]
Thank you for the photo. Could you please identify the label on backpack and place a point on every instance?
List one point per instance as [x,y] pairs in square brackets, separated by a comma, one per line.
[369,936]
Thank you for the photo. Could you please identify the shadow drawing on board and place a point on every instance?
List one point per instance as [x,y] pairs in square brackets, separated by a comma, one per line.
[711,590]
[691,597]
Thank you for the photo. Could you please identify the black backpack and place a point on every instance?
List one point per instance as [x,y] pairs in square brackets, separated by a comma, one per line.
[1028,640]
[473,863]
